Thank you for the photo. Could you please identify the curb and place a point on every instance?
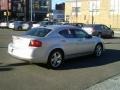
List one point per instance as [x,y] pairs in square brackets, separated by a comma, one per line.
[110,84]
[117,32]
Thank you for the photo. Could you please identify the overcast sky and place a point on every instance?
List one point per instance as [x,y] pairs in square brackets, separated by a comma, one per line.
[56,2]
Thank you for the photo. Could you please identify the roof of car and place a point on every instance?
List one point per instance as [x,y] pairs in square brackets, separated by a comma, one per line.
[90,25]
[56,27]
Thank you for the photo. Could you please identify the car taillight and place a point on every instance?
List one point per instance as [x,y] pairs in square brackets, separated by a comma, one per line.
[35,43]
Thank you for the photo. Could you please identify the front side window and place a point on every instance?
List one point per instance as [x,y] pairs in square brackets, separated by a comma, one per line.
[78,33]
[73,33]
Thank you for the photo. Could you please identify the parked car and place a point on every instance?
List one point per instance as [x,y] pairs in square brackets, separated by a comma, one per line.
[16,25]
[78,24]
[53,44]
[3,24]
[44,23]
[11,24]
[35,24]
[47,23]
[26,25]
[99,30]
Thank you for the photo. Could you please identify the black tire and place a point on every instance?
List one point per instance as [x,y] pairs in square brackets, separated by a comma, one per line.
[98,50]
[55,59]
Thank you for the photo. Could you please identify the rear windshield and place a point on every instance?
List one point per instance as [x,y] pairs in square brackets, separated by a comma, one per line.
[40,32]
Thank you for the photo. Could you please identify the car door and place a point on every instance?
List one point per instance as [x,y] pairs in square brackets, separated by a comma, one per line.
[107,30]
[69,42]
[103,30]
[85,42]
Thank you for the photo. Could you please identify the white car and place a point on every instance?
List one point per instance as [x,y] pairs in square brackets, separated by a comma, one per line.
[11,25]
[35,25]
[44,23]
[26,25]
[3,25]
[53,44]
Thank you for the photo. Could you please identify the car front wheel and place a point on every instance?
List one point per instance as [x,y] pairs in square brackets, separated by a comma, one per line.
[98,50]
[55,59]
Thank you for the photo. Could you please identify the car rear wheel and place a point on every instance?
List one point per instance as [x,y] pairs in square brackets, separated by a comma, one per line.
[55,59]
[98,50]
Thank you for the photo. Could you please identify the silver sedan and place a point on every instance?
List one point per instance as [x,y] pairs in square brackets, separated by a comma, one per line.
[53,44]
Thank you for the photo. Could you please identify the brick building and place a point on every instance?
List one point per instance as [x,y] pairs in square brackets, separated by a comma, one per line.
[96,11]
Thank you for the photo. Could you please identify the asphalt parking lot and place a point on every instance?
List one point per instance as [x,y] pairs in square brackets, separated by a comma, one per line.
[75,74]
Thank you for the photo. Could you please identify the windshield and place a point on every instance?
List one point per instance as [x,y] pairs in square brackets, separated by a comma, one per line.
[40,32]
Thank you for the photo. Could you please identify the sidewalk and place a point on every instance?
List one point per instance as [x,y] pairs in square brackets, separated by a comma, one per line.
[117,31]
[110,84]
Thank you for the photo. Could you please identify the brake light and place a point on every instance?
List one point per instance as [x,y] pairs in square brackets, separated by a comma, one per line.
[35,43]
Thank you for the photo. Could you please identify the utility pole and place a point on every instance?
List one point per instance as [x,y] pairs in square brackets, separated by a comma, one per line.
[92,13]
[49,10]
[0,9]
[92,17]
[31,10]
[76,10]
[7,13]
[24,4]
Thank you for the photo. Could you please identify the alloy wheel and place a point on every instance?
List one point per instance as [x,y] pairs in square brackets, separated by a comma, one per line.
[55,59]
[98,50]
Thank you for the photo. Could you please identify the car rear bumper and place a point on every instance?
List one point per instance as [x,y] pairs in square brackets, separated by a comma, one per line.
[25,54]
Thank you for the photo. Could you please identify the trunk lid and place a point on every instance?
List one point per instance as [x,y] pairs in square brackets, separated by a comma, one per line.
[21,41]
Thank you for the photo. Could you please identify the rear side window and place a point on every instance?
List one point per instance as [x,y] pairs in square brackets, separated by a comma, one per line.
[40,32]
[66,33]
[97,27]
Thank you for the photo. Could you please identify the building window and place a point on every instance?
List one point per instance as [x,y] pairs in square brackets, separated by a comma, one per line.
[17,6]
[94,7]
[76,8]
[115,7]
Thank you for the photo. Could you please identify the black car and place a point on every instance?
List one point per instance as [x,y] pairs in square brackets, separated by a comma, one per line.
[99,30]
